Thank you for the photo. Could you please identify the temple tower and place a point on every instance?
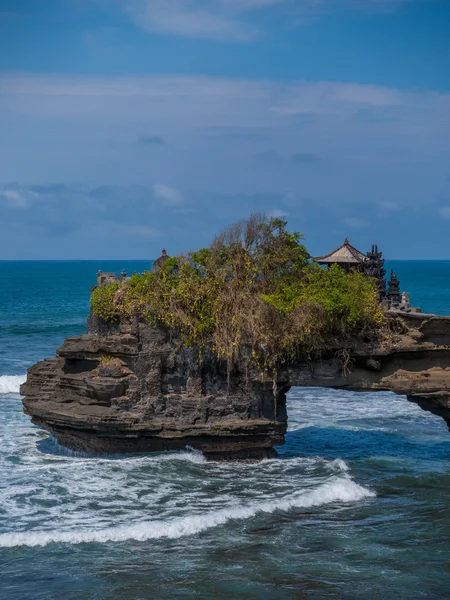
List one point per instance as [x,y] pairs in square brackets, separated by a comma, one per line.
[394,296]
[374,267]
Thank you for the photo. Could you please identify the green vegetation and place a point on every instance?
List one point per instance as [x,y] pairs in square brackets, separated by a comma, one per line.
[255,289]
[106,359]
[102,302]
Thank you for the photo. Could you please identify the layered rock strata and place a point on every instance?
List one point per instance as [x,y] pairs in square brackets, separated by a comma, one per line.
[134,388]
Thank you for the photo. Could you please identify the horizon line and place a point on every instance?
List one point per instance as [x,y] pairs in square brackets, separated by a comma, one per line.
[17,260]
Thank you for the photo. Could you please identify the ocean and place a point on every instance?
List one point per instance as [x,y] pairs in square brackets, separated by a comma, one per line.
[356,506]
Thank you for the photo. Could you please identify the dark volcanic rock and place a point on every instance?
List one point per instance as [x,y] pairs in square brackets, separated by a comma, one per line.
[155,395]
[133,388]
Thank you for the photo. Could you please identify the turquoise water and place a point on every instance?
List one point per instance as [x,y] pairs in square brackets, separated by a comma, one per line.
[356,506]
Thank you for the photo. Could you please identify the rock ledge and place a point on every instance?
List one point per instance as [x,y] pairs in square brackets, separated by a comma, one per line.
[132,388]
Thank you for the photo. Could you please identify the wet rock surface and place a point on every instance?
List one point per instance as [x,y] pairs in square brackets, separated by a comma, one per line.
[135,388]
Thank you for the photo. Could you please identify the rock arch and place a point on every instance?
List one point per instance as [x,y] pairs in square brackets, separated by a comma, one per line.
[132,388]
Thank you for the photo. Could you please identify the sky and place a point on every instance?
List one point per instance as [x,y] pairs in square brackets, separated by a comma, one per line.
[131,125]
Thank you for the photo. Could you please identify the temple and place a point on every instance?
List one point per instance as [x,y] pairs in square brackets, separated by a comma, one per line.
[371,264]
[105,278]
[161,261]
[346,256]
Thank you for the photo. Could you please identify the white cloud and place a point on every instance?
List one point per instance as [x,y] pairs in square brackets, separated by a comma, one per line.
[355,223]
[224,20]
[170,196]
[16,198]
[374,161]
[445,212]
[380,5]
[221,101]
[276,213]
[387,207]
[212,20]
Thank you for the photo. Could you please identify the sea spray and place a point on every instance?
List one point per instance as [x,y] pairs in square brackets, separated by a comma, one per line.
[10,384]
[341,489]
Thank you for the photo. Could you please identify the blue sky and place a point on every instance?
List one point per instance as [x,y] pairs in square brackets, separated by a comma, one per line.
[128,125]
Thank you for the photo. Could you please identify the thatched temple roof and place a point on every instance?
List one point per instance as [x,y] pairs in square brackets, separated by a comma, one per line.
[345,254]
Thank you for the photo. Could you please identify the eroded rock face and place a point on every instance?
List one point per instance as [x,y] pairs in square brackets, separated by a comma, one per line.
[133,388]
[154,395]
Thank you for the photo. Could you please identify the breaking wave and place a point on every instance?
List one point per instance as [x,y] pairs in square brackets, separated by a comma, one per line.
[340,489]
[10,384]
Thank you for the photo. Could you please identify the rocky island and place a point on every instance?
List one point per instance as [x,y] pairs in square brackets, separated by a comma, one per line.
[202,350]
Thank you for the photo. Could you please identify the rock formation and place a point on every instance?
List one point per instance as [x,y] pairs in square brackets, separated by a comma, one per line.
[133,387]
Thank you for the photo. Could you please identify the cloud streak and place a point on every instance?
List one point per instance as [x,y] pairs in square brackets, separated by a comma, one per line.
[236,145]
[152,140]
[236,20]
[445,212]
[270,157]
[169,196]
[211,20]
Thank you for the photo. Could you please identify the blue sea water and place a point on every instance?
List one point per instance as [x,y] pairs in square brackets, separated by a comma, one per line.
[357,505]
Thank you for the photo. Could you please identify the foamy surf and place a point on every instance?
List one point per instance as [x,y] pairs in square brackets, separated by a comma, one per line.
[340,489]
[10,384]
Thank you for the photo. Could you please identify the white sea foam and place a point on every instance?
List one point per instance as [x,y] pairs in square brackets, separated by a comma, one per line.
[346,410]
[339,489]
[339,465]
[191,455]
[10,384]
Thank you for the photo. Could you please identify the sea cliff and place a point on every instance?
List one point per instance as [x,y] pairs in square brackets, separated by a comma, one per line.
[132,386]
